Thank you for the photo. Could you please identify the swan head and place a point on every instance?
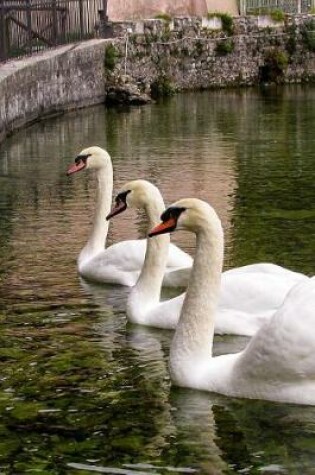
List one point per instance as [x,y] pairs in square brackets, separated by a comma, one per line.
[93,158]
[190,214]
[134,194]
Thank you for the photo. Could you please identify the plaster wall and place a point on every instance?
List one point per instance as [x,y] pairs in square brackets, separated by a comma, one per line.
[119,10]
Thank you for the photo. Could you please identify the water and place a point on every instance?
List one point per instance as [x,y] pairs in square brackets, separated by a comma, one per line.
[83,392]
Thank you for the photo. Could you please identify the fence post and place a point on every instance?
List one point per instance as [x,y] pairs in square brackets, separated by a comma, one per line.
[54,22]
[81,18]
[242,7]
[29,25]
[105,10]
[3,52]
[106,29]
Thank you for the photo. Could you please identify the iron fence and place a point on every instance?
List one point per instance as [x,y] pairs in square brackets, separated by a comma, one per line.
[287,6]
[28,26]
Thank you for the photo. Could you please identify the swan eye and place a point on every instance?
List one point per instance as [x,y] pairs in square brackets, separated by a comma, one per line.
[172,212]
[82,158]
[122,197]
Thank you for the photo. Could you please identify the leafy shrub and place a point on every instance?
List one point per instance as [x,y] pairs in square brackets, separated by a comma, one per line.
[291,42]
[164,16]
[162,87]
[199,47]
[224,47]
[227,23]
[111,56]
[308,35]
[276,62]
[277,15]
[226,20]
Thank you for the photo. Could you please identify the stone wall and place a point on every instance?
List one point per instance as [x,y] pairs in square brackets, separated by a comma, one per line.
[53,82]
[183,54]
[201,53]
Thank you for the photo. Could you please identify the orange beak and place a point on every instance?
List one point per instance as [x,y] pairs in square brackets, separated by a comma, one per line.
[162,228]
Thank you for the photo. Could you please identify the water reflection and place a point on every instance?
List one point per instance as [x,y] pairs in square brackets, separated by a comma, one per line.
[80,389]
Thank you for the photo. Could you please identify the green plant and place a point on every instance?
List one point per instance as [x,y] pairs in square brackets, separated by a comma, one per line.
[166,35]
[110,59]
[227,23]
[164,16]
[224,47]
[291,42]
[150,38]
[226,20]
[274,66]
[277,15]
[308,35]
[140,55]
[162,87]
[199,47]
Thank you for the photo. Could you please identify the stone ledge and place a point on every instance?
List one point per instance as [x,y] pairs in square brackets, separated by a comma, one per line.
[50,83]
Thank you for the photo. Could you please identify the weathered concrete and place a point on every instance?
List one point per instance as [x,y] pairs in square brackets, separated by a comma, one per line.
[55,81]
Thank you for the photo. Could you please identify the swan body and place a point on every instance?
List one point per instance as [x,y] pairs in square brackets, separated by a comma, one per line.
[249,295]
[278,363]
[120,263]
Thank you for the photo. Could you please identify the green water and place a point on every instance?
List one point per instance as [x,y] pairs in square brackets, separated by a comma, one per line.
[83,392]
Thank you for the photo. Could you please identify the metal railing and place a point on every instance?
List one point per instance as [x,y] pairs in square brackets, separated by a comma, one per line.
[28,26]
[287,6]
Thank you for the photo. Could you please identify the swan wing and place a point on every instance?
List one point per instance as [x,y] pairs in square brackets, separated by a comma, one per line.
[266,268]
[178,258]
[176,277]
[256,293]
[121,263]
[178,268]
[278,363]
[117,264]
[166,313]
[236,322]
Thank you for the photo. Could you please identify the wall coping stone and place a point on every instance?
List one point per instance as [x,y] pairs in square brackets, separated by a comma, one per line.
[50,82]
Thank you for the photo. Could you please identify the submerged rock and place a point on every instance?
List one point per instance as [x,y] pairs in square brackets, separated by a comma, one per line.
[126,93]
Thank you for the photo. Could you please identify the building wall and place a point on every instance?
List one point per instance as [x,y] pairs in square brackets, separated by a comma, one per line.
[119,10]
[223,6]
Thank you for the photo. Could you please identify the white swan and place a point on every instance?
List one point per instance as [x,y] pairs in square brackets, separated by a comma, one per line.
[249,295]
[120,263]
[278,364]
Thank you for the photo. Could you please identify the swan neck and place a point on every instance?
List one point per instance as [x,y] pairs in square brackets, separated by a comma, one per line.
[153,210]
[146,292]
[193,338]
[104,189]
